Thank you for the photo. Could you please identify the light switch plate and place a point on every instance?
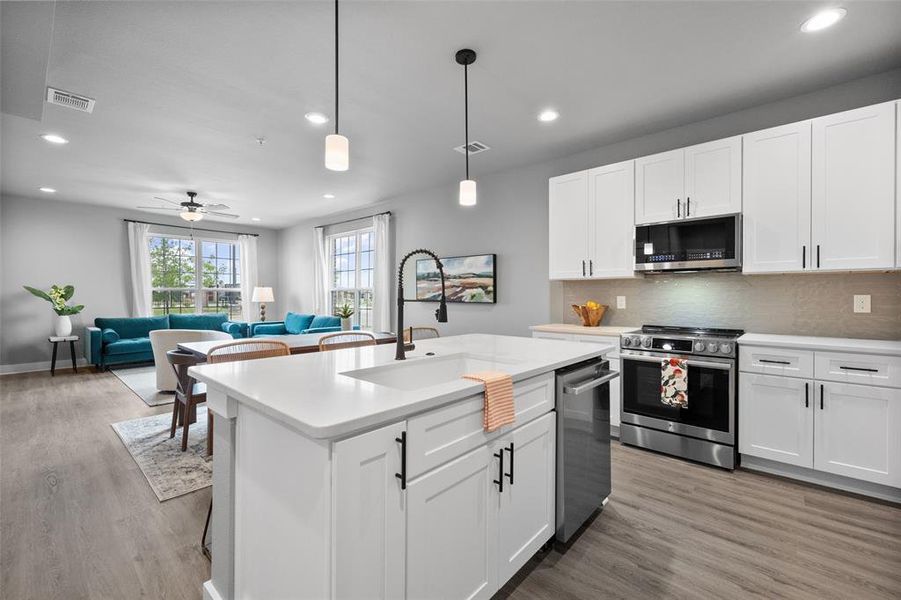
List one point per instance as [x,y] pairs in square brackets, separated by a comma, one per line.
[861,303]
[621,302]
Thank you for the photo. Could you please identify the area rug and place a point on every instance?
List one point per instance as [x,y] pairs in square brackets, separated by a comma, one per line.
[169,471]
[142,381]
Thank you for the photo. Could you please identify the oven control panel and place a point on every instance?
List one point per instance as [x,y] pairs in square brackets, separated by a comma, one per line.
[681,345]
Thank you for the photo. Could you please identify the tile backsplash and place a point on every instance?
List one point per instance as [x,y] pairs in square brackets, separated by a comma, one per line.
[801,304]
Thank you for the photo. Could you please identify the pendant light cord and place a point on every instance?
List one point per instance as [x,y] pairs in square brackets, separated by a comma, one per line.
[466,114]
[336,67]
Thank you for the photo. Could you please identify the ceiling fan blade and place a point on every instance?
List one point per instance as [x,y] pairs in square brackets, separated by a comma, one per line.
[216,206]
[159,208]
[167,200]
[221,214]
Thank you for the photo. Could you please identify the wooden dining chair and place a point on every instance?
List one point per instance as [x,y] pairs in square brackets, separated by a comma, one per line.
[188,394]
[420,333]
[346,339]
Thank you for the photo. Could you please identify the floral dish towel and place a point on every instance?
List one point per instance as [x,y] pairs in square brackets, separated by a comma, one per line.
[674,382]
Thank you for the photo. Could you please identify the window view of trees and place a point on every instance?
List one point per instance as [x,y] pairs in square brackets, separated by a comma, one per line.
[174,265]
[352,264]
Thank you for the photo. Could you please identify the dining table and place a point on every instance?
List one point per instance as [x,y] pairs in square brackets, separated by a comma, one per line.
[303,343]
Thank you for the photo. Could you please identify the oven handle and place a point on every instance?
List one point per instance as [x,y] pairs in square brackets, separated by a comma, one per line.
[690,363]
[575,390]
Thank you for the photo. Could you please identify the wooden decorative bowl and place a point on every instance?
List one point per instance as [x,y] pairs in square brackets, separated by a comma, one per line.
[591,317]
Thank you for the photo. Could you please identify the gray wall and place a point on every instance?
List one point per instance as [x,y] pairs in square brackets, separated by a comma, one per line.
[511,217]
[803,304]
[46,241]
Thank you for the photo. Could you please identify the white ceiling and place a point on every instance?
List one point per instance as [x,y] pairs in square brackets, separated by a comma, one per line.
[184,88]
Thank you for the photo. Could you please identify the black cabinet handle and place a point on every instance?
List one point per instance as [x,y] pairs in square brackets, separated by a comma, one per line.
[859,369]
[591,268]
[818,256]
[500,470]
[678,208]
[688,206]
[821,396]
[583,268]
[806,395]
[510,474]
[803,257]
[402,440]
[774,362]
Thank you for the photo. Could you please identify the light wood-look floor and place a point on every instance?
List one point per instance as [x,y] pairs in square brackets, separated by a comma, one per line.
[78,520]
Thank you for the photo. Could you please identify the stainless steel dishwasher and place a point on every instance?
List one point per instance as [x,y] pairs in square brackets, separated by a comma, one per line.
[583,443]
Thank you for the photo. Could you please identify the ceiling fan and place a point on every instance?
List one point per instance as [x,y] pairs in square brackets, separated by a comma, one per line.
[192,210]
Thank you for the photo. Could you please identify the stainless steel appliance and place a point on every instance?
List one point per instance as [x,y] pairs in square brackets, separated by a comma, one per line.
[583,443]
[703,431]
[689,245]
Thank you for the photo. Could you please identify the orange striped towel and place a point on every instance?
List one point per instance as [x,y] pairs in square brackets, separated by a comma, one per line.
[498,409]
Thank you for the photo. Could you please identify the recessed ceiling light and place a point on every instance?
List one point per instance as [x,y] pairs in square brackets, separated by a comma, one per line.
[548,115]
[823,19]
[254,218]
[54,139]
[316,118]
[48,190]
[328,196]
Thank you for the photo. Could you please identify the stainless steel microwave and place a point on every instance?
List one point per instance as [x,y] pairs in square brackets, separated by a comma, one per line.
[689,244]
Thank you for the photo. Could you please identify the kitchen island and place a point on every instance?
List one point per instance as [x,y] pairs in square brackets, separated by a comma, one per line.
[346,474]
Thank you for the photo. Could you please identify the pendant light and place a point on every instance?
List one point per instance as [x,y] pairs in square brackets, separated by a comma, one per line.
[466,57]
[337,147]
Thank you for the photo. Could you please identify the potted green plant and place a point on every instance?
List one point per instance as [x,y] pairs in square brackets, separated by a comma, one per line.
[345,311]
[58,296]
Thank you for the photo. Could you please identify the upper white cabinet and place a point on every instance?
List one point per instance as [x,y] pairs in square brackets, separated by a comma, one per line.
[713,178]
[853,189]
[611,193]
[776,202]
[659,187]
[568,226]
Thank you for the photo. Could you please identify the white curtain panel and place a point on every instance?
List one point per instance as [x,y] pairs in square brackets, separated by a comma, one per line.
[320,273]
[139,262]
[381,309]
[247,245]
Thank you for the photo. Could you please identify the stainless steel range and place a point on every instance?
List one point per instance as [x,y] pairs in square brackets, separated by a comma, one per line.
[705,429]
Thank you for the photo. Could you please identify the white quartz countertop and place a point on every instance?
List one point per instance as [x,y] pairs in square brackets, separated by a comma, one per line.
[885,347]
[582,330]
[312,394]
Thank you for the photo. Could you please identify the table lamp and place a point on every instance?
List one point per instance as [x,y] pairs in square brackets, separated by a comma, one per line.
[262,295]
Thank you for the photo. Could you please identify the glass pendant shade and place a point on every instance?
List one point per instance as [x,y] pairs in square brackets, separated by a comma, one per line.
[467,192]
[337,152]
[189,215]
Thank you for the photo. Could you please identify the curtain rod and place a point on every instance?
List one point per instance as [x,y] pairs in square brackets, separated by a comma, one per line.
[387,212]
[191,228]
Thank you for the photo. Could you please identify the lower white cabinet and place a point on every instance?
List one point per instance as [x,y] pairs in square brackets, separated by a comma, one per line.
[776,419]
[858,432]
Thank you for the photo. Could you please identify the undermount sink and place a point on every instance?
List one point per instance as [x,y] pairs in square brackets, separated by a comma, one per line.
[427,371]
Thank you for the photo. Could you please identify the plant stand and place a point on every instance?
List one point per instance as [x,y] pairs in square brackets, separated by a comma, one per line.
[55,340]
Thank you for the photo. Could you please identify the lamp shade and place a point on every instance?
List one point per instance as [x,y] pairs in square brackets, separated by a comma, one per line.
[467,192]
[262,294]
[337,152]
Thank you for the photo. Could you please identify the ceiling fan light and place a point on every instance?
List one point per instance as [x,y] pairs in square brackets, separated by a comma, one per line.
[190,215]
[337,152]
[467,192]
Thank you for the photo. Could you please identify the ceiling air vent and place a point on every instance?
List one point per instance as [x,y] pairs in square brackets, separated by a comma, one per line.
[474,148]
[70,100]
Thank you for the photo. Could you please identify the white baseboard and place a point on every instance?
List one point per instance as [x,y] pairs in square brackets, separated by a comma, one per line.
[847,484]
[61,364]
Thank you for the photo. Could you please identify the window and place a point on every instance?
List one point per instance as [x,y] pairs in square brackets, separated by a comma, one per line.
[351,268]
[174,267]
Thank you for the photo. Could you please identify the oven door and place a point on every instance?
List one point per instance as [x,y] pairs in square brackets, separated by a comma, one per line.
[710,414]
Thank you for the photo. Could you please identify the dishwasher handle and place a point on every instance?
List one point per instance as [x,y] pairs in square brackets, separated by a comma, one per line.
[575,390]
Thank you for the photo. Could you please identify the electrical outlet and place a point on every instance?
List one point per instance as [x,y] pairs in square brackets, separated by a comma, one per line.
[861,303]
[621,302]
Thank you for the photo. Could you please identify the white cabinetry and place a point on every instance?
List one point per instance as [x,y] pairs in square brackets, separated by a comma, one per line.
[370,531]
[776,419]
[659,187]
[611,192]
[568,226]
[713,178]
[853,189]
[777,199]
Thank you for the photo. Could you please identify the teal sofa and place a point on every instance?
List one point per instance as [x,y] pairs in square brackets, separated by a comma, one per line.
[123,340]
[295,323]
